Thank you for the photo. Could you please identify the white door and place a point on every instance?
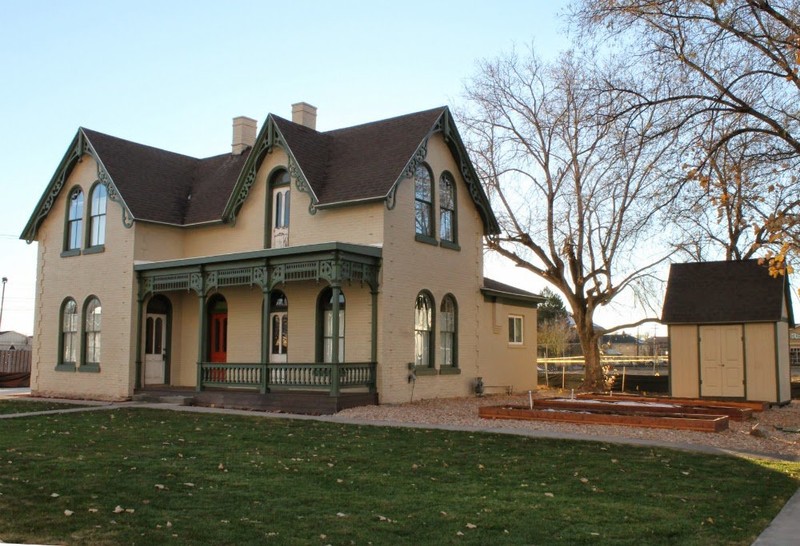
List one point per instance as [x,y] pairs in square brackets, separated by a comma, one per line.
[722,361]
[279,337]
[281,206]
[155,349]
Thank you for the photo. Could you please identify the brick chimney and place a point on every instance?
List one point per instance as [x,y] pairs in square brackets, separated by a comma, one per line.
[244,134]
[305,114]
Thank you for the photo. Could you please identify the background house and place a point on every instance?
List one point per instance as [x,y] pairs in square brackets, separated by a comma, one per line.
[729,331]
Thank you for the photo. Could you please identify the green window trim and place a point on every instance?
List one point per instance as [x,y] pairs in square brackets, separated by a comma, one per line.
[73,220]
[425,370]
[90,368]
[449,370]
[70,253]
[424,221]
[424,331]
[65,367]
[425,239]
[98,249]
[448,209]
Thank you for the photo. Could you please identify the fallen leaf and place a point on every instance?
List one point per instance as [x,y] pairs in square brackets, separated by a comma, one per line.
[119,509]
[584,480]
[471,526]
[189,484]
[460,534]
[341,514]
[549,495]
[160,486]
[130,510]
[55,495]
[93,510]
[68,512]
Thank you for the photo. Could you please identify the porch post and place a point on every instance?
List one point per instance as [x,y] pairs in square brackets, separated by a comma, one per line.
[336,293]
[201,339]
[139,310]
[265,341]
[374,338]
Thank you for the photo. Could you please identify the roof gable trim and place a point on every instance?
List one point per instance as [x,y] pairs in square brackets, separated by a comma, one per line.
[80,146]
[268,138]
[445,125]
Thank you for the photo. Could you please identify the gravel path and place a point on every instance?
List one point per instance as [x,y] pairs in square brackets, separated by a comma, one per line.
[767,438]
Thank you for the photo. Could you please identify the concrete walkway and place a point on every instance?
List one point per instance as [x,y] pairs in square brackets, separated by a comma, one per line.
[784,529]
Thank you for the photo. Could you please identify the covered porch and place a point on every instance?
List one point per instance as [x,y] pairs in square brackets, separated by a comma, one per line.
[241,305]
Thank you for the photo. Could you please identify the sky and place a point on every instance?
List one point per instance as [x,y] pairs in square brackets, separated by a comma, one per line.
[174,74]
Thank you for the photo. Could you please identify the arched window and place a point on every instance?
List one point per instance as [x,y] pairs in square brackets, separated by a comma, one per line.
[423,202]
[447,208]
[327,327]
[91,333]
[97,215]
[279,327]
[281,208]
[74,220]
[448,319]
[69,334]
[423,331]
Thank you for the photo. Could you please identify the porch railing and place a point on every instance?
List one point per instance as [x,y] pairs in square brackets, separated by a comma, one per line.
[265,377]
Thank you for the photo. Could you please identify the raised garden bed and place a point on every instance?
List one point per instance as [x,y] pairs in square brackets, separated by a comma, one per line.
[697,402]
[634,405]
[643,418]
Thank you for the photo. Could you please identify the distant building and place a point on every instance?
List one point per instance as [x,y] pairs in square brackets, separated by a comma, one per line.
[14,341]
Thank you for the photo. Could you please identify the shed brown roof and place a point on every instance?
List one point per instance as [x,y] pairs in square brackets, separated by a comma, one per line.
[724,292]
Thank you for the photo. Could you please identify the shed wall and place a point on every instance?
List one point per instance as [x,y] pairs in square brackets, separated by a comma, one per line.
[684,374]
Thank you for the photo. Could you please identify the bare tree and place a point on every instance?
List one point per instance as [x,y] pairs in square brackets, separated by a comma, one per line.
[734,74]
[577,195]
[554,335]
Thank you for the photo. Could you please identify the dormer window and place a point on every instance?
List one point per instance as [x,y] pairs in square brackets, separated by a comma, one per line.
[74,220]
[281,208]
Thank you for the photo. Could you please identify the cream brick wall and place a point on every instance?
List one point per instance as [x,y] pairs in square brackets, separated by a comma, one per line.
[107,275]
[409,267]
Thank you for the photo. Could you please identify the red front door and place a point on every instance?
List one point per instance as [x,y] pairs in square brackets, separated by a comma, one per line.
[218,337]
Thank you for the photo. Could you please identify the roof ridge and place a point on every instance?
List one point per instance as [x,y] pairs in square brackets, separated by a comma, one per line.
[386,120]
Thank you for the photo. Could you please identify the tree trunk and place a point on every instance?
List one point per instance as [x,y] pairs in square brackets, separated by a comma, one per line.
[593,379]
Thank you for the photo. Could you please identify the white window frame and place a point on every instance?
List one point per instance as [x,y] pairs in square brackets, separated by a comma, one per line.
[516,329]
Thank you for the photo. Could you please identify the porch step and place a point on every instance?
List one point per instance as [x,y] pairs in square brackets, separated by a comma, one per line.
[174,399]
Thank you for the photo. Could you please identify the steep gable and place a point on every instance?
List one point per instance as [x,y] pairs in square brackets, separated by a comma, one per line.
[724,292]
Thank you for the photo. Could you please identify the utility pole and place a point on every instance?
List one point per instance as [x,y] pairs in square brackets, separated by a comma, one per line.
[3,300]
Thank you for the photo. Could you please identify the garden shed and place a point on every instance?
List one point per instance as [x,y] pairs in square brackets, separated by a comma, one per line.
[729,331]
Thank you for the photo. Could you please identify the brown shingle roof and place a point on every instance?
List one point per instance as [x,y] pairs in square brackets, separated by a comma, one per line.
[162,186]
[360,162]
[724,292]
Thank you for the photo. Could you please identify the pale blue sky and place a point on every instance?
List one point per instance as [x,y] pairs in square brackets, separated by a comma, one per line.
[173,74]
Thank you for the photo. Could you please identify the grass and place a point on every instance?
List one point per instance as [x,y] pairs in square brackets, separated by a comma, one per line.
[9,406]
[139,476]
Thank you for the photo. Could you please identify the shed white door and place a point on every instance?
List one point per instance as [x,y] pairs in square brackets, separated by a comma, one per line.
[722,361]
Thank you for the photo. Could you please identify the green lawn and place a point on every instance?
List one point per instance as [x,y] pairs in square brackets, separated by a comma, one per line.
[138,476]
[10,405]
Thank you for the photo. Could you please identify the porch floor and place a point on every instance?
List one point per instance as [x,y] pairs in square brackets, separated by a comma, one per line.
[294,401]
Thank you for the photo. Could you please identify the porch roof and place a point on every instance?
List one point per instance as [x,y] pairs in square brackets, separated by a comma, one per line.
[334,262]
[367,251]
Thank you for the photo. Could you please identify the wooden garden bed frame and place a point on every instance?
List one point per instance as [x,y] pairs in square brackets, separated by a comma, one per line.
[675,421]
[633,405]
[696,402]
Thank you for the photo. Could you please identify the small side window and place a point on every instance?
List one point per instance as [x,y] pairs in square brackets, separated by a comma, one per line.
[515,329]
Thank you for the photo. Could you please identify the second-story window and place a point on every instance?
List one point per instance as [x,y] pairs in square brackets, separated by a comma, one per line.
[74,220]
[97,216]
[447,208]
[281,209]
[423,202]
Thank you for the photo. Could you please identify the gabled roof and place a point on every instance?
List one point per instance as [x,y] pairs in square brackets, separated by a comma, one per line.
[344,166]
[724,292]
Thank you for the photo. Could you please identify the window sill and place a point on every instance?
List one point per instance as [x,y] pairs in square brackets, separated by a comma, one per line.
[65,367]
[516,345]
[425,239]
[70,253]
[449,244]
[449,370]
[95,249]
[425,370]
[90,368]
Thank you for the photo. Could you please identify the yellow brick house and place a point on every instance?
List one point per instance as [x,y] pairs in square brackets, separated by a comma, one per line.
[303,271]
